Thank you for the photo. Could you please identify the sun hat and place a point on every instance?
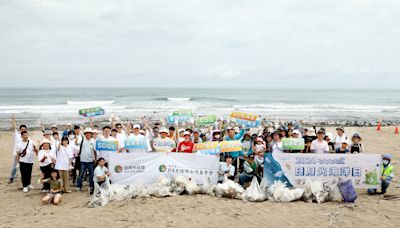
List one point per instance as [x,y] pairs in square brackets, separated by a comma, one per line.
[88,130]
[45,141]
[356,135]
[344,141]
[340,128]
[181,130]
[296,132]
[186,133]
[237,130]
[163,130]
[47,132]
[136,126]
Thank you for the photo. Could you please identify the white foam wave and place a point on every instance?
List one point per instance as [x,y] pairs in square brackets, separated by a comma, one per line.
[179,99]
[90,102]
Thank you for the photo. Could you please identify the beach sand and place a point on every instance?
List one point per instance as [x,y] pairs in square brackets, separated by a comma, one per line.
[26,210]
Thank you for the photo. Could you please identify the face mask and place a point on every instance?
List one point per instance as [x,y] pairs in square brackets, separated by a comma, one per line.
[217,136]
[385,162]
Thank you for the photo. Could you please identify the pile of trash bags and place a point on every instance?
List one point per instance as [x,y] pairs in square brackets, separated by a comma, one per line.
[311,191]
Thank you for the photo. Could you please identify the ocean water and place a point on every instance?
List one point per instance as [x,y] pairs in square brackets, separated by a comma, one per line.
[58,105]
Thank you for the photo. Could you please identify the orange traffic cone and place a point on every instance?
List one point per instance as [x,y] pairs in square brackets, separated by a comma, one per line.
[379,126]
[396,131]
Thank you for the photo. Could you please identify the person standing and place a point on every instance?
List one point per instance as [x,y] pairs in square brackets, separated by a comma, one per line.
[138,141]
[26,151]
[46,159]
[164,143]
[87,157]
[319,145]
[338,139]
[64,157]
[186,146]
[17,140]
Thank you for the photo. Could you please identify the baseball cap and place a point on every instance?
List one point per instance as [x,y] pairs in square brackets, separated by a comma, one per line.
[136,126]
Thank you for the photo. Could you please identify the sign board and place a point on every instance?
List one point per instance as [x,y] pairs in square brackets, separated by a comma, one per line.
[89,112]
[146,168]
[293,143]
[364,170]
[102,145]
[206,120]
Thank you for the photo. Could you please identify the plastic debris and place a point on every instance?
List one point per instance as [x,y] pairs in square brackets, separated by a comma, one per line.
[254,193]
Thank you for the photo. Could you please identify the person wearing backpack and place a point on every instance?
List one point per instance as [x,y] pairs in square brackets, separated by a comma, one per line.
[387,175]
[87,155]
[26,151]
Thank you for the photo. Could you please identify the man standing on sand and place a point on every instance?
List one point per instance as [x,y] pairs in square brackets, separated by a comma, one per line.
[17,140]
[319,145]
[87,156]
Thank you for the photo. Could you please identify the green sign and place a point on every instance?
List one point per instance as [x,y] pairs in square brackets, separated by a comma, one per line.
[293,144]
[183,113]
[89,112]
[206,120]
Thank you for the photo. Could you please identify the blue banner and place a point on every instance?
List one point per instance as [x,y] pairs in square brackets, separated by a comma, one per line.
[135,143]
[248,123]
[102,145]
[180,119]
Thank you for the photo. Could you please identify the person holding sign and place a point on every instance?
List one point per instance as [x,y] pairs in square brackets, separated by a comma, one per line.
[164,143]
[136,142]
[186,146]
[104,151]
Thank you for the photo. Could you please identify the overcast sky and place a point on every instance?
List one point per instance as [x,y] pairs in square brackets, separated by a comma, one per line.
[197,43]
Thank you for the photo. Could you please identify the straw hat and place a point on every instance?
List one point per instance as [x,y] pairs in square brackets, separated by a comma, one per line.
[88,130]
[45,141]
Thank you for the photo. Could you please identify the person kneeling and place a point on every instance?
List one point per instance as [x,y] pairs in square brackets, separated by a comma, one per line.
[387,175]
[101,175]
[56,187]
[249,170]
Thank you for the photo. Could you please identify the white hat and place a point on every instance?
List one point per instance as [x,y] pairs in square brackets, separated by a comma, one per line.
[45,141]
[136,126]
[69,124]
[329,134]
[186,133]
[88,130]
[181,129]
[236,129]
[95,131]
[296,132]
[344,141]
[163,130]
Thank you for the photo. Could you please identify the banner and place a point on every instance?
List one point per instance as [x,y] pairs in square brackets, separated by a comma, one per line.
[206,120]
[293,144]
[135,143]
[89,112]
[146,168]
[364,170]
[180,119]
[249,120]
[207,148]
[243,116]
[230,146]
[183,113]
[102,145]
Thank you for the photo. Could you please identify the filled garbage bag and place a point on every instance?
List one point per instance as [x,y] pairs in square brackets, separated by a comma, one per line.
[334,193]
[275,191]
[229,189]
[348,192]
[254,193]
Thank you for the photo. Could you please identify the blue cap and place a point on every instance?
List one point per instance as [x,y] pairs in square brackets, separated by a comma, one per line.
[387,156]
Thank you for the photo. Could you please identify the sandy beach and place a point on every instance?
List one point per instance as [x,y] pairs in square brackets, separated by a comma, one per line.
[25,210]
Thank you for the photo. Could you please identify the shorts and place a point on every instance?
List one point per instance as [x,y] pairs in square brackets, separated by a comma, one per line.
[53,195]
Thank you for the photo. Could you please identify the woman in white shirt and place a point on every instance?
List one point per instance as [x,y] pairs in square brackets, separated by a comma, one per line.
[64,157]
[276,144]
[26,150]
[46,160]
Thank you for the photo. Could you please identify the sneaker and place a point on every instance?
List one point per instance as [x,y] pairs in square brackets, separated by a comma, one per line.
[78,189]
[10,181]
[25,189]
[45,191]
[68,191]
[31,187]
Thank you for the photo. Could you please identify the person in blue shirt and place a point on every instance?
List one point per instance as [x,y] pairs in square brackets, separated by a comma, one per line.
[344,148]
[232,136]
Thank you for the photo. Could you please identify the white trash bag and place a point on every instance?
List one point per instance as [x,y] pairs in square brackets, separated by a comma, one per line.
[191,187]
[254,193]
[335,194]
[229,189]
[178,184]
[275,191]
[207,188]
[118,192]
[287,196]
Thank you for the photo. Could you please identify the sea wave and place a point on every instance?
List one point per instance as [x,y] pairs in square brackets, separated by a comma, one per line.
[90,102]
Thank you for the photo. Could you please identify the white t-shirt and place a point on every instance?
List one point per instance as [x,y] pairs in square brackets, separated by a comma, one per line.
[338,141]
[277,147]
[63,157]
[121,138]
[319,147]
[30,154]
[164,145]
[98,172]
[223,167]
[103,153]
[48,154]
[17,139]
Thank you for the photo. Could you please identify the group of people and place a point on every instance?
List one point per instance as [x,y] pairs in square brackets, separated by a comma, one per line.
[71,155]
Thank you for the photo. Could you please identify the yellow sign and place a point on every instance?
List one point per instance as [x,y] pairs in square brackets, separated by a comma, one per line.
[205,146]
[230,146]
[244,116]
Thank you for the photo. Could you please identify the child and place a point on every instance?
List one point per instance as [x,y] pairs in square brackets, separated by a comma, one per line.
[64,157]
[46,161]
[101,173]
[260,146]
[343,149]
[56,186]
[356,146]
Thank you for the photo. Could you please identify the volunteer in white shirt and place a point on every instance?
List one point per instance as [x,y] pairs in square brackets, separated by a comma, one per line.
[338,138]
[17,139]
[46,158]
[164,143]
[136,140]
[26,150]
[105,154]
[276,145]
[319,145]
[64,157]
